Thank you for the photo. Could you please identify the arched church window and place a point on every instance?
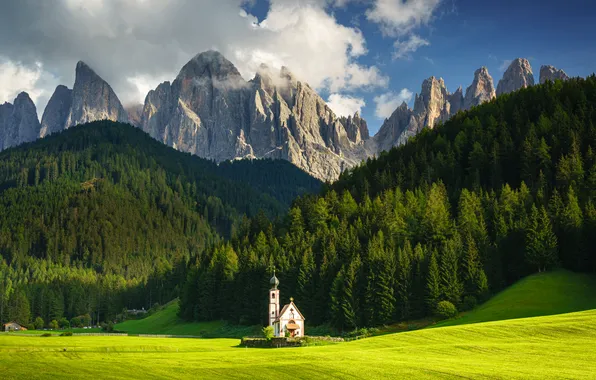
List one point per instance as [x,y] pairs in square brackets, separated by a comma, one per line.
[272,295]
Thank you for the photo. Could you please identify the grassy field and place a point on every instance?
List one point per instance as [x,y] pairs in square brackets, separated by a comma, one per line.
[166,321]
[58,332]
[546,293]
[560,346]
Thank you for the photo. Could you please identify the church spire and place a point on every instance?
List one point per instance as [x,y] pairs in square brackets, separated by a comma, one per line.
[274,282]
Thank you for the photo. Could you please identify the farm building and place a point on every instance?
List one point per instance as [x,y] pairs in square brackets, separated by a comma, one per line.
[287,320]
[12,326]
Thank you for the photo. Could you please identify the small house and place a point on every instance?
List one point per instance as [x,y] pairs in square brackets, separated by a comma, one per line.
[13,326]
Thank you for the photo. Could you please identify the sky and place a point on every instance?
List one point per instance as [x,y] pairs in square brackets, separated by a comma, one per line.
[360,55]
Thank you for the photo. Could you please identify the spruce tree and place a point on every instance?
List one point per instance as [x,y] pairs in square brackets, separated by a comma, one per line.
[541,242]
[451,287]
[404,280]
[433,283]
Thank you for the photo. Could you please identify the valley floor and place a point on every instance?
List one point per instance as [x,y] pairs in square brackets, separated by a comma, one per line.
[560,346]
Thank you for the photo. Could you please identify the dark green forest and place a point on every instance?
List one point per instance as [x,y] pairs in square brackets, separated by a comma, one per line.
[103,217]
[459,212]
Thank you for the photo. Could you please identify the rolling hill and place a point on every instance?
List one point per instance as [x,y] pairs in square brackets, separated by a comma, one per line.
[167,322]
[102,217]
[541,294]
[550,347]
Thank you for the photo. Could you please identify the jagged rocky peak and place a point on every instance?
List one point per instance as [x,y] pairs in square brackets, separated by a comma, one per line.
[56,112]
[157,110]
[211,111]
[18,122]
[209,64]
[356,127]
[432,102]
[456,101]
[264,78]
[518,75]
[395,130]
[481,90]
[93,99]
[551,73]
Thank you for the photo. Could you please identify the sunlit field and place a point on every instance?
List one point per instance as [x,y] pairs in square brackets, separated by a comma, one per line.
[560,346]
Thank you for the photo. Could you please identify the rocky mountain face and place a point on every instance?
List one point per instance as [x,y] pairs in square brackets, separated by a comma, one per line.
[481,90]
[93,99]
[56,112]
[551,73]
[518,75]
[18,122]
[211,111]
[401,125]
[356,127]
[135,114]
[434,104]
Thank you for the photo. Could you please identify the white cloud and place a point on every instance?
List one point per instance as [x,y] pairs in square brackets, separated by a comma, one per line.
[135,44]
[16,77]
[345,105]
[403,49]
[388,102]
[398,17]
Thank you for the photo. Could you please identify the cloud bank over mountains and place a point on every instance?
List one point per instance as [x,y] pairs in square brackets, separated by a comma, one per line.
[136,44]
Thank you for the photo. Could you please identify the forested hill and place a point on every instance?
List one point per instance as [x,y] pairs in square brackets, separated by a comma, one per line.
[498,192]
[99,209]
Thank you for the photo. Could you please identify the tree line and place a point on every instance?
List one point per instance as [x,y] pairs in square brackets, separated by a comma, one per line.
[461,211]
[103,217]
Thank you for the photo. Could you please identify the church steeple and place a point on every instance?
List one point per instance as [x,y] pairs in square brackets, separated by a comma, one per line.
[273,300]
[274,282]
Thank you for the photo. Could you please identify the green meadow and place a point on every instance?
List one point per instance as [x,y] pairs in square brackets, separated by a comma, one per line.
[166,321]
[560,346]
[545,293]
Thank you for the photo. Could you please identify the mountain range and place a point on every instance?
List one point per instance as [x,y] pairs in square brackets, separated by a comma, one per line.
[211,111]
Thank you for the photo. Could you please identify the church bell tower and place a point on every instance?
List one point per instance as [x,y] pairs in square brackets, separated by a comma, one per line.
[273,300]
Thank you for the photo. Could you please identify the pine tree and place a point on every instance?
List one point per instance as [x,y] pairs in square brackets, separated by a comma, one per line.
[344,306]
[451,288]
[433,283]
[471,265]
[541,242]
[571,233]
[404,280]
[380,299]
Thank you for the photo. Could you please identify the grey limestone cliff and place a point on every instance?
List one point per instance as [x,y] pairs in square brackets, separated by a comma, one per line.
[93,99]
[18,122]
[551,73]
[211,111]
[56,112]
[481,90]
[517,76]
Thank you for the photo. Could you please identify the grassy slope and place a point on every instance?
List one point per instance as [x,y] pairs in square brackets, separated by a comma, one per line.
[559,346]
[166,321]
[541,294]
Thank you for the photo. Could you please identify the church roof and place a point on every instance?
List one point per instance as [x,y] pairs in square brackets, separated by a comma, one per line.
[283,310]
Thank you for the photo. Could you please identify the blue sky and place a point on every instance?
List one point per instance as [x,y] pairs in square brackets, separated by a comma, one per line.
[359,54]
[466,34]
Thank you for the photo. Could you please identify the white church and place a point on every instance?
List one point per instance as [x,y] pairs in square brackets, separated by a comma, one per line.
[288,319]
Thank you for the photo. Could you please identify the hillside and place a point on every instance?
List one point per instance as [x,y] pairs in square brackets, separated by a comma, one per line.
[460,212]
[547,293]
[166,321]
[102,217]
[549,347]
